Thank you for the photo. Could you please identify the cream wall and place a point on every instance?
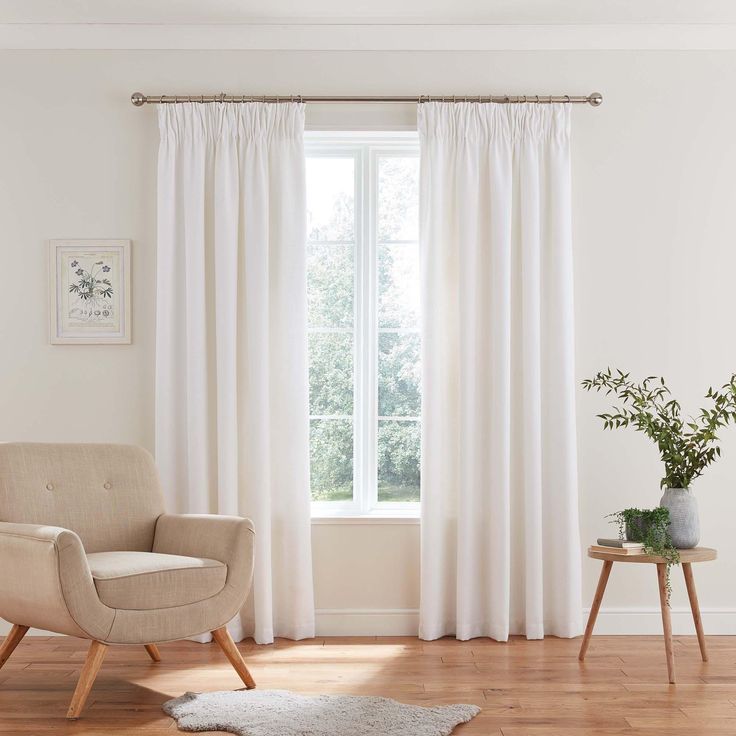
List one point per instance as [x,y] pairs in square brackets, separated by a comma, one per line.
[654,200]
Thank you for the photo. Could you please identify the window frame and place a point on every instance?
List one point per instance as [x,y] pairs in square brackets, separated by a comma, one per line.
[365,148]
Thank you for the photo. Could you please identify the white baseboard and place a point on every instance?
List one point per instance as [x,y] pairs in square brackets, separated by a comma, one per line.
[611,621]
[5,629]
[630,620]
[405,622]
[367,621]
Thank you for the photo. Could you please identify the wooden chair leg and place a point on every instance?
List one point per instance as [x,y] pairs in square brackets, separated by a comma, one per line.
[95,655]
[595,607]
[223,638]
[666,620]
[153,652]
[11,642]
[692,594]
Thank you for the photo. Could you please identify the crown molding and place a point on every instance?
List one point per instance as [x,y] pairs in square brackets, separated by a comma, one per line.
[369,37]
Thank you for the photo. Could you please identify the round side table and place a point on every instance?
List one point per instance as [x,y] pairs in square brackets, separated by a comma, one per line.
[687,557]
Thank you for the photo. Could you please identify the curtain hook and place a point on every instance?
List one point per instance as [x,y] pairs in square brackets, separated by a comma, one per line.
[567,99]
[537,100]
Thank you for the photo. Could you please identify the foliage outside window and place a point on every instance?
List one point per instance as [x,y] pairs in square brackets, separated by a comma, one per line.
[363,295]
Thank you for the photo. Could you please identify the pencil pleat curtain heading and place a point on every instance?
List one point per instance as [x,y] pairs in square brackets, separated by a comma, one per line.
[500,538]
[232,430]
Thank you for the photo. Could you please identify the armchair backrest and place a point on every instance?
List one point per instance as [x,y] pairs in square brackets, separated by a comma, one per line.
[108,494]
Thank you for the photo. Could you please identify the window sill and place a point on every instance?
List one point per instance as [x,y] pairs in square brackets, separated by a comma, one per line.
[366,519]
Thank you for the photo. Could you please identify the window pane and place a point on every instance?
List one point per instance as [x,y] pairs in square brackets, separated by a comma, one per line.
[398,285]
[331,457]
[331,373]
[330,285]
[398,460]
[330,199]
[398,374]
[398,198]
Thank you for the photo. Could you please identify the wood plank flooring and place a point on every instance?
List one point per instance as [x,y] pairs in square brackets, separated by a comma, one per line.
[524,687]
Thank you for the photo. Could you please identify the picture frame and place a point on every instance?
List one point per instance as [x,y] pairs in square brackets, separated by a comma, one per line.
[89,292]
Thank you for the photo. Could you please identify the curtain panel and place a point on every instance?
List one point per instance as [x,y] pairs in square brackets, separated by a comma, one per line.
[232,429]
[500,537]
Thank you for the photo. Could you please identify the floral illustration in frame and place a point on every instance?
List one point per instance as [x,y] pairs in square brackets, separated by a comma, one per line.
[90,291]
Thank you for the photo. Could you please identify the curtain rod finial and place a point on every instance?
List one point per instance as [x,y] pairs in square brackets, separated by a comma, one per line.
[138,99]
[595,99]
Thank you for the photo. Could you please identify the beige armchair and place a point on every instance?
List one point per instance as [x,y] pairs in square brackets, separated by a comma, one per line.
[87,550]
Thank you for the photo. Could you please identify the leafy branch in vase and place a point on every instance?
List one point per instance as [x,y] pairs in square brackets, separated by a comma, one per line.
[687,445]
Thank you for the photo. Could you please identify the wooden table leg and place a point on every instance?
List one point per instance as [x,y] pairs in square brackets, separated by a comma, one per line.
[595,607]
[666,620]
[687,569]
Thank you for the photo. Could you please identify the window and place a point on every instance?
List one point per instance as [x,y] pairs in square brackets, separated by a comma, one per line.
[363,292]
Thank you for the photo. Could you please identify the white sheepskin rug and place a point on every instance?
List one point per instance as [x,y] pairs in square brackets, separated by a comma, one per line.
[281,713]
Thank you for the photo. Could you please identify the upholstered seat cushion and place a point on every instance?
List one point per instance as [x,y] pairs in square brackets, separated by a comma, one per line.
[147,580]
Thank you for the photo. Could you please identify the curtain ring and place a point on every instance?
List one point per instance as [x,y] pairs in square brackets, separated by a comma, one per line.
[201,99]
[537,100]
[567,99]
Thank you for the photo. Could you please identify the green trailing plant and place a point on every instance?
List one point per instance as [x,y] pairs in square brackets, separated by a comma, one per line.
[687,445]
[650,527]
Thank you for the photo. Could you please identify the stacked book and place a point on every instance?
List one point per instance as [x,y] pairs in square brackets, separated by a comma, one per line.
[618,547]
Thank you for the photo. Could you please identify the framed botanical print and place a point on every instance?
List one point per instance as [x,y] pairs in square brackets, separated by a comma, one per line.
[89,291]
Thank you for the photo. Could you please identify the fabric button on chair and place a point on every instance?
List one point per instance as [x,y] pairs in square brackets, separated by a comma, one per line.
[112,567]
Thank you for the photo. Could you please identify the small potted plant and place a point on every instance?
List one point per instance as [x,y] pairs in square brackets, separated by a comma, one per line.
[687,445]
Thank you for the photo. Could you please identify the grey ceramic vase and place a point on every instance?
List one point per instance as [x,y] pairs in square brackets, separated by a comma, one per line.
[684,520]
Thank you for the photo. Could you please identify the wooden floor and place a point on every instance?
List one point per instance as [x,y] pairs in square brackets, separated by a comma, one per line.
[523,687]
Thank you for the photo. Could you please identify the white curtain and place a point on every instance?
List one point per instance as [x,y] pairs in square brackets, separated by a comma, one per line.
[500,537]
[232,431]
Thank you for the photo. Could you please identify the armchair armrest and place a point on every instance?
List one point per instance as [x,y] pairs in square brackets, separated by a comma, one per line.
[62,538]
[45,581]
[228,539]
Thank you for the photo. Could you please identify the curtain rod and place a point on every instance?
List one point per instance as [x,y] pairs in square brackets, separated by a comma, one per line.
[595,99]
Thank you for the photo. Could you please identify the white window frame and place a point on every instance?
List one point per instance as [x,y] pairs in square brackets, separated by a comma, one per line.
[365,149]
